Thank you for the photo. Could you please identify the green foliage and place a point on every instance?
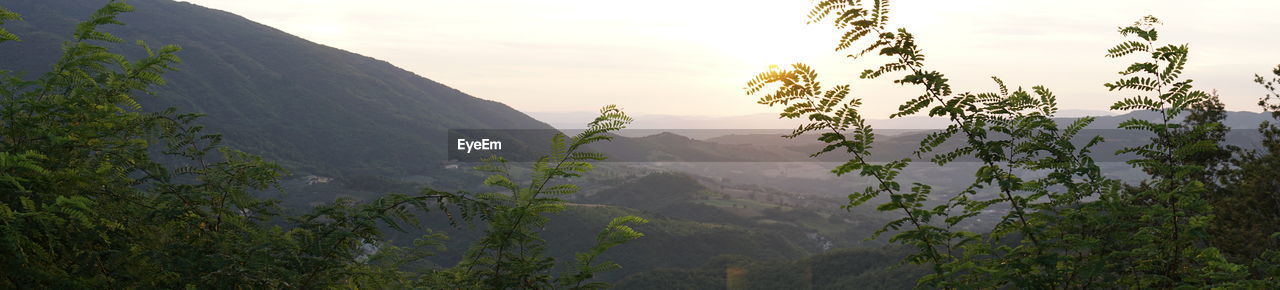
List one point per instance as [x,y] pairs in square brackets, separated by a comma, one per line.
[575,229]
[1067,225]
[511,253]
[101,194]
[1271,101]
[1247,208]
[865,268]
[6,15]
[1172,205]
[90,204]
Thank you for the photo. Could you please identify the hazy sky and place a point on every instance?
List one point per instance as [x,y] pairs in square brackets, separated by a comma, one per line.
[692,57]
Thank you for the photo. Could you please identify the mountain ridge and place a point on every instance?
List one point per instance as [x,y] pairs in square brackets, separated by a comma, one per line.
[312,107]
[1106,119]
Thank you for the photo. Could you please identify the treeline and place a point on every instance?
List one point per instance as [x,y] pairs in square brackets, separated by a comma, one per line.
[1207,215]
[860,268]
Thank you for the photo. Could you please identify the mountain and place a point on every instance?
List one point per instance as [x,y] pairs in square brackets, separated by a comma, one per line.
[672,147]
[576,120]
[311,107]
[758,122]
[763,145]
[1236,120]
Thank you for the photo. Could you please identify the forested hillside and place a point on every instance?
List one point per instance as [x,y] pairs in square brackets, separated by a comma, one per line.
[99,192]
[311,107]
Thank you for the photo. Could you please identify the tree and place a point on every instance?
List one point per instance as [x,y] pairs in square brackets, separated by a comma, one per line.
[95,192]
[510,254]
[86,205]
[1248,215]
[1069,228]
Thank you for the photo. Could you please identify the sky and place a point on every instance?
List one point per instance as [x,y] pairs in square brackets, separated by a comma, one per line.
[693,57]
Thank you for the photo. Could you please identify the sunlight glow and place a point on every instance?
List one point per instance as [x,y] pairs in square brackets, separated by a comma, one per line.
[647,55]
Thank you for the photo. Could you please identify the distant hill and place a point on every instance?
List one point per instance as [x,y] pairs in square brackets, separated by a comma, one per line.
[671,147]
[892,144]
[1106,119]
[576,120]
[692,220]
[1238,120]
[652,192]
[309,106]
